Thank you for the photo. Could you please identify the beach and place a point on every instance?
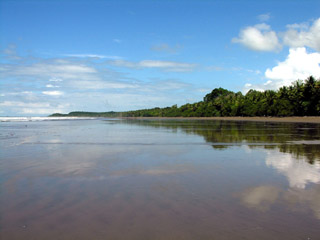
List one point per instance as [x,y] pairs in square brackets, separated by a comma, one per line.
[251,119]
[159,179]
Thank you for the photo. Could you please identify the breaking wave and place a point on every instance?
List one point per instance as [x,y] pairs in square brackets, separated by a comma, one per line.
[34,119]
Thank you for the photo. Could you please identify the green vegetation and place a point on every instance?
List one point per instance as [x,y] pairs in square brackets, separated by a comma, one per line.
[302,98]
[224,134]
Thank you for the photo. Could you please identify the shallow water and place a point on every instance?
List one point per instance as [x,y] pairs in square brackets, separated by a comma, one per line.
[159,179]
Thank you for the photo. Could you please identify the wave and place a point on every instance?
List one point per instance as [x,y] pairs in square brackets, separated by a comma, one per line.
[34,119]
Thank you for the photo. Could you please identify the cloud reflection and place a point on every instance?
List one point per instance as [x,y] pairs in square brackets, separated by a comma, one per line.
[297,198]
[260,198]
[298,172]
[302,197]
[154,171]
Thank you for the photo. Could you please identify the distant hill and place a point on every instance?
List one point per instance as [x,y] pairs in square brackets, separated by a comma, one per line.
[87,114]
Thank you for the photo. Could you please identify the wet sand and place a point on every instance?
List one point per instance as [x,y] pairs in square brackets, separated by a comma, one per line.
[253,119]
[130,179]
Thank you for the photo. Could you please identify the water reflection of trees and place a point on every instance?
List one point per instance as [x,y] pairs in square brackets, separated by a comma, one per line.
[256,134]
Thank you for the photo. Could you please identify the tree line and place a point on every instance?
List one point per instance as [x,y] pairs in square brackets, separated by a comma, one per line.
[302,98]
[221,133]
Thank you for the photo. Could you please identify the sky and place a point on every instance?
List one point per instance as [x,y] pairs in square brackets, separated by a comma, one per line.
[76,55]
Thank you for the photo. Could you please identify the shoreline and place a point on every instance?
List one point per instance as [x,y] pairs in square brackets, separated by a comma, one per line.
[251,119]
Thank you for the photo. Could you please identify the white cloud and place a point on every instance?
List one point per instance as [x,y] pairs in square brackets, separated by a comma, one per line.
[264,17]
[254,71]
[124,63]
[33,108]
[10,50]
[92,56]
[87,85]
[52,93]
[55,80]
[215,68]
[258,87]
[116,40]
[300,35]
[55,70]
[59,68]
[23,104]
[165,65]
[51,86]
[18,93]
[259,38]
[204,90]
[41,111]
[164,47]
[299,65]
[301,26]
[11,53]
[169,85]
[92,84]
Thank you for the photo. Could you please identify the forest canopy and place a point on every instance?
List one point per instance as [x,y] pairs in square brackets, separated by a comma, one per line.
[302,98]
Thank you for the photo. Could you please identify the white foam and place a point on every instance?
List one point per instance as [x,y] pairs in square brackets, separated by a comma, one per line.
[33,119]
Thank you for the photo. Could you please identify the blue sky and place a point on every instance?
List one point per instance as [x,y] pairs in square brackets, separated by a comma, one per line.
[62,56]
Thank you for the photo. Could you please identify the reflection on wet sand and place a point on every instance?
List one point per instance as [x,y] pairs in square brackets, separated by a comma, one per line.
[264,197]
[158,180]
[299,139]
[304,199]
[298,172]
[261,197]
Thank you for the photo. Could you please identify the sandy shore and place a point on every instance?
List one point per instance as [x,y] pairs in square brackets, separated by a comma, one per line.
[254,119]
